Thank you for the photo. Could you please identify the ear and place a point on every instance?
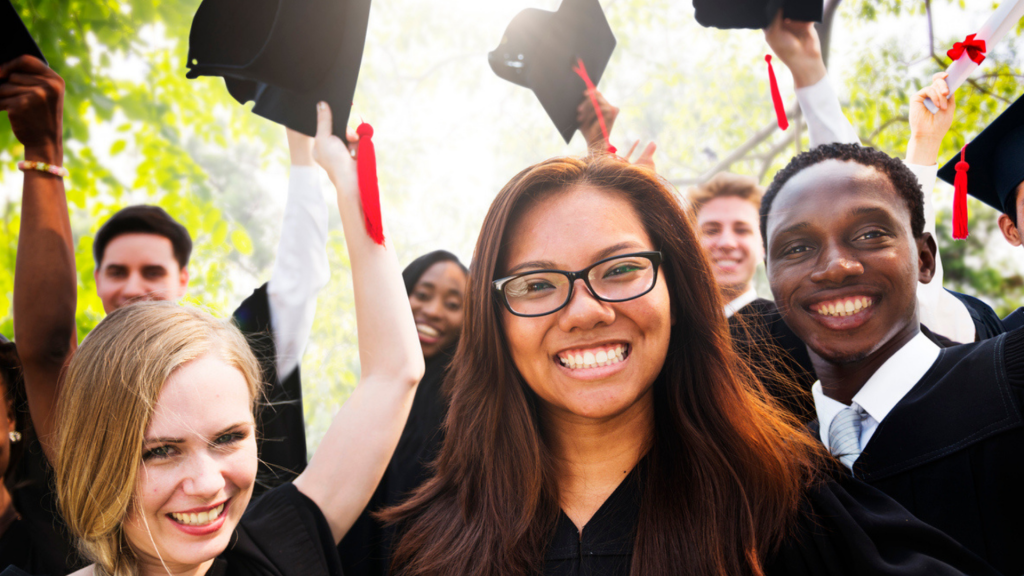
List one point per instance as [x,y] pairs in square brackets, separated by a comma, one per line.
[183,279]
[926,253]
[1009,230]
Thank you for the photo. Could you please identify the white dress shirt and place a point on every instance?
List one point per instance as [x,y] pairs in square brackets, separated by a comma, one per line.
[937,309]
[300,269]
[826,122]
[739,302]
[883,391]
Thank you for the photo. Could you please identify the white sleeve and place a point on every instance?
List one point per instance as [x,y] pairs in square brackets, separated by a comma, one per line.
[300,270]
[826,122]
[939,310]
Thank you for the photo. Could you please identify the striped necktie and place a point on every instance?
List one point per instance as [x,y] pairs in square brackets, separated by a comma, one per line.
[844,435]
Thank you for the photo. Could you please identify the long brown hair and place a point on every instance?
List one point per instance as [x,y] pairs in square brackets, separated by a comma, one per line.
[723,478]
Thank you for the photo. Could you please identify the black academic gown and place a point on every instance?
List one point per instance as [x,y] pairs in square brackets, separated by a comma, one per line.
[986,321]
[366,547]
[952,450]
[844,527]
[775,352]
[38,542]
[1014,320]
[280,425]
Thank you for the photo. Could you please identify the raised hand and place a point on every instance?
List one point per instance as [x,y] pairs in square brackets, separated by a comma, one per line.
[589,124]
[33,96]
[926,129]
[796,44]
[334,155]
[646,157]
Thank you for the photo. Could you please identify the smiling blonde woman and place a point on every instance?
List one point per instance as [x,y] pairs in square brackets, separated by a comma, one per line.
[155,456]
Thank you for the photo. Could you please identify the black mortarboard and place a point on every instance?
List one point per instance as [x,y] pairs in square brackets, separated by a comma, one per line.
[996,159]
[286,56]
[754,14]
[540,49]
[14,37]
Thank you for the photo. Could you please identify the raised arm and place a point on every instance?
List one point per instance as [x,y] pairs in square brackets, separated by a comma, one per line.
[939,310]
[300,266]
[797,45]
[354,453]
[45,282]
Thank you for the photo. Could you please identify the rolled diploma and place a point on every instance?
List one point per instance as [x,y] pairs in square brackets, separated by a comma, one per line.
[992,31]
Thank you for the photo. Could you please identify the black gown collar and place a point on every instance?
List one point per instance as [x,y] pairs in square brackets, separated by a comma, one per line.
[611,531]
[964,398]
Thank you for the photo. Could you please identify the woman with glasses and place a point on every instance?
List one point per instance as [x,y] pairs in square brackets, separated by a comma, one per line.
[601,423]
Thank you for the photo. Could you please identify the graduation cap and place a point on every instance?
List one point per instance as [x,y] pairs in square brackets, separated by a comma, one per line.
[284,55]
[15,40]
[754,14]
[993,164]
[540,50]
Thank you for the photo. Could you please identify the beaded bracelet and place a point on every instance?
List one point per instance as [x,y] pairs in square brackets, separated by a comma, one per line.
[44,167]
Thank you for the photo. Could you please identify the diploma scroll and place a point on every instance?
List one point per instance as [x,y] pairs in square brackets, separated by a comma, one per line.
[992,31]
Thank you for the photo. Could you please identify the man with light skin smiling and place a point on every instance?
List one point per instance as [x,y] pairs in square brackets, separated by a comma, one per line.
[939,429]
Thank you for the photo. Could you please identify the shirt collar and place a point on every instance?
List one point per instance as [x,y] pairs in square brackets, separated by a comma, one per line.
[885,388]
[739,302]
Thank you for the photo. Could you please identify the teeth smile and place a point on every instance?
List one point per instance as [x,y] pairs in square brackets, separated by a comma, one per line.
[198,519]
[594,357]
[428,331]
[844,307]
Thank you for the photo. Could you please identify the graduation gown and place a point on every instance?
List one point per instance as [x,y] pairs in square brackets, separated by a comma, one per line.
[366,547]
[280,424]
[843,527]
[986,321]
[952,450]
[775,352]
[1014,320]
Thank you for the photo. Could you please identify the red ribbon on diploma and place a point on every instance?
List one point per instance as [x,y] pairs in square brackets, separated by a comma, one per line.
[975,50]
[581,70]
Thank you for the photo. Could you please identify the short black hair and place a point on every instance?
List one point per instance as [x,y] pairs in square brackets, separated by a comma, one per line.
[144,219]
[902,179]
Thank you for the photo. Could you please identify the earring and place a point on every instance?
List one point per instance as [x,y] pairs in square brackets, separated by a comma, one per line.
[14,435]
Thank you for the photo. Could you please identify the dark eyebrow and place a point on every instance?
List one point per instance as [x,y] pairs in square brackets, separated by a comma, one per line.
[793,228]
[167,440]
[869,210]
[547,264]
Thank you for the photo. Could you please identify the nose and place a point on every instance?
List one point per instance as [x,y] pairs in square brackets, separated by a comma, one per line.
[726,239]
[584,312]
[432,308]
[835,266]
[204,477]
[134,287]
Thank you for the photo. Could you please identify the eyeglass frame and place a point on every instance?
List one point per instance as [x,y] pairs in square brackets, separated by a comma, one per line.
[655,256]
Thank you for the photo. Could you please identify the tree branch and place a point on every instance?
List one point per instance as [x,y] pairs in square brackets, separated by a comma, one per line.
[741,152]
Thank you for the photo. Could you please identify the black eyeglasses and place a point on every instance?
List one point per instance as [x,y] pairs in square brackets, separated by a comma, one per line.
[615,279]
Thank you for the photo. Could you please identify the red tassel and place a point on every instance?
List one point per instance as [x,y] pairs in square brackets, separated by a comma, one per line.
[780,110]
[581,70]
[960,198]
[369,194]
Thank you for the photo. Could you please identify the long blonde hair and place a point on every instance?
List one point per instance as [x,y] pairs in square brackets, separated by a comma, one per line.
[105,406]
